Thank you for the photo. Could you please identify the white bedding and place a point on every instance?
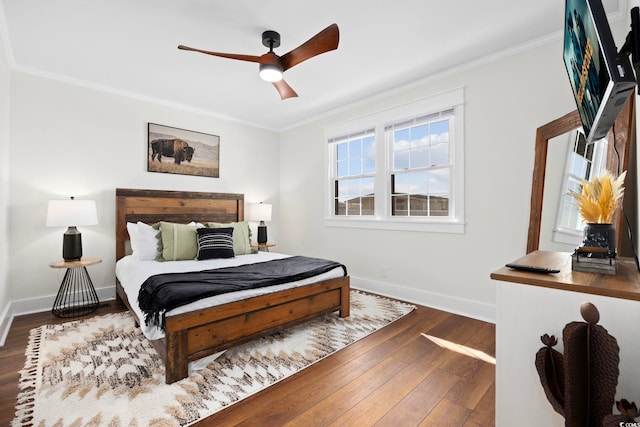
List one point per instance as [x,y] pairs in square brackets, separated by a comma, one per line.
[132,272]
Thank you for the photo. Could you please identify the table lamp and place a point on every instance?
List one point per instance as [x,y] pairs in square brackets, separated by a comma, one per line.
[261,212]
[71,213]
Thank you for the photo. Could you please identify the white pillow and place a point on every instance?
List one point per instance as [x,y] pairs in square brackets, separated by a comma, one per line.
[132,229]
[147,242]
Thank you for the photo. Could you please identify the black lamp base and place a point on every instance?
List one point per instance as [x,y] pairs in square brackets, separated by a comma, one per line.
[262,233]
[72,245]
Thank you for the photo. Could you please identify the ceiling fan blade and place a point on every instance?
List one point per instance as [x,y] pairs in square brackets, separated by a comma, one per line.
[322,42]
[284,89]
[249,58]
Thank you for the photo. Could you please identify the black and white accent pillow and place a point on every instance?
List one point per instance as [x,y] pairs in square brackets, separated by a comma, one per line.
[215,243]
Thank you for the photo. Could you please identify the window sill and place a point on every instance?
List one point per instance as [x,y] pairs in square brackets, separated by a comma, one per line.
[431,226]
[570,237]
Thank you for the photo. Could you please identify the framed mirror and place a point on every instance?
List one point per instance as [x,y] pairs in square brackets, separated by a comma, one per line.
[617,158]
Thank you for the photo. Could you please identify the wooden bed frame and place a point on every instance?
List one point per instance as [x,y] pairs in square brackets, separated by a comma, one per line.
[191,336]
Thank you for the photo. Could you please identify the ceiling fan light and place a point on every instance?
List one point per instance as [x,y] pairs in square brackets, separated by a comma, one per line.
[270,72]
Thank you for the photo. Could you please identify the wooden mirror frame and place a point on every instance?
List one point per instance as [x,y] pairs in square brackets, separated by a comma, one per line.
[560,126]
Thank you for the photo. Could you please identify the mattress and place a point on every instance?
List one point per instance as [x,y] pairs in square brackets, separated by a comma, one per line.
[132,272]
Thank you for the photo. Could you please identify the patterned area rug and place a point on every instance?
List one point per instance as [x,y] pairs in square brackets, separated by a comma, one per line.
[103,372]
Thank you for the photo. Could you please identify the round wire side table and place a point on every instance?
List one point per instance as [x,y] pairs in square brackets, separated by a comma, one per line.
[76,296]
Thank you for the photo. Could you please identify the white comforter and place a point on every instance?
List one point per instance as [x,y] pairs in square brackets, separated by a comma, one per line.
[132,272]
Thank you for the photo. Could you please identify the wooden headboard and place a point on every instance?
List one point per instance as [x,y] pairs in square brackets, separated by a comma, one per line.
[151,206]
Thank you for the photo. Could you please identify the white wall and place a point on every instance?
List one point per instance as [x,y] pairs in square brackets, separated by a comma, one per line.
[554,190]
[71,140]
[506,100]
[4,187]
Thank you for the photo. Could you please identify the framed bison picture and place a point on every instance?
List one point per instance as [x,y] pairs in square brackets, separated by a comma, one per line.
[184,152]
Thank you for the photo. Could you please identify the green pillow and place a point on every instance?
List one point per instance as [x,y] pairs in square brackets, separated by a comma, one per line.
[179,241]
[241,242]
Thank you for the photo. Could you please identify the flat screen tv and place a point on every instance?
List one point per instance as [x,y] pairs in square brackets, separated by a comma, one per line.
[601,78]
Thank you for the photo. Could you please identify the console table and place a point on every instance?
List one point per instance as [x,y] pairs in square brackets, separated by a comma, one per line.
[529,305]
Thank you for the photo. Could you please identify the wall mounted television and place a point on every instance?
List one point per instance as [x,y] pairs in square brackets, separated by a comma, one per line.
[601,78]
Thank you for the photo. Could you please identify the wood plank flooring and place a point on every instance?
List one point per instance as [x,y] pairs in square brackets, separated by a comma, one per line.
[430,368]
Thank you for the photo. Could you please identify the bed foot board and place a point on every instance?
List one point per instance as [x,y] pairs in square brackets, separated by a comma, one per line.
[193,335]
[176,360]
[345,300]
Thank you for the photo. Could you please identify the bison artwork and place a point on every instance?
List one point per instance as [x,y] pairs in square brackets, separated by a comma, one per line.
[176,148]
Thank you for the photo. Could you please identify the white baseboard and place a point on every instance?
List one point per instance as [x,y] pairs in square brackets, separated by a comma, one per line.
[38,305]
[463,307]
[5,324]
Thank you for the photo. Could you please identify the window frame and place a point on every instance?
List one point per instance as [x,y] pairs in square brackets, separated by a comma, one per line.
[390,129]
[562,233]
[348,140]
[382,218]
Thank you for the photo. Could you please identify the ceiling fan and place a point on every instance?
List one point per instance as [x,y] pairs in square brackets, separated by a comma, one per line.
[272,66]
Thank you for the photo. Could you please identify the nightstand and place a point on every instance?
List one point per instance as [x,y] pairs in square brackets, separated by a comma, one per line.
[76,295]
[263,246]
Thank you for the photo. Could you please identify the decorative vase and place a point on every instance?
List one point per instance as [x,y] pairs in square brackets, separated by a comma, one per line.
[598,251]
[600,236]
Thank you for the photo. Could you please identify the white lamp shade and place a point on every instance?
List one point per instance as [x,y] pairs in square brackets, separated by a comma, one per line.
[71,213]
[260,212]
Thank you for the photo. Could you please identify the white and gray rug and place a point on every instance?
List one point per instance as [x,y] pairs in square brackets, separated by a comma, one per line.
[103,372]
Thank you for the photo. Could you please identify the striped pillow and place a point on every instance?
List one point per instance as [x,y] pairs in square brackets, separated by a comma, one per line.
[215,243]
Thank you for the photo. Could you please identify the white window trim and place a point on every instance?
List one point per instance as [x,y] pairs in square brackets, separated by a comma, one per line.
[453,99]
[568,236]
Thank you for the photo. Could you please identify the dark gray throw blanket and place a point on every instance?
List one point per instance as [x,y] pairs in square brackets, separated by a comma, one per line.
[164,292]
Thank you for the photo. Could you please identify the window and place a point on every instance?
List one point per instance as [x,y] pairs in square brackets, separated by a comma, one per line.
[584,161]
[401,168]
[421,166]
[355,159]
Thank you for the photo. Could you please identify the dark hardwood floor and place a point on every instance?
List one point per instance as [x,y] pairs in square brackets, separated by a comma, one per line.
[430,368]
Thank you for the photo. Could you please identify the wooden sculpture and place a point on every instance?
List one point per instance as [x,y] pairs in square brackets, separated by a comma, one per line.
[628,414]
[581,383]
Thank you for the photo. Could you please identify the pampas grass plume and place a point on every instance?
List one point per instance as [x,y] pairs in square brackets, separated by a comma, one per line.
[598,199]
